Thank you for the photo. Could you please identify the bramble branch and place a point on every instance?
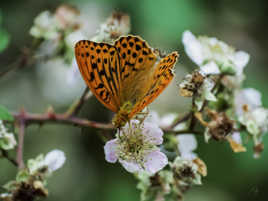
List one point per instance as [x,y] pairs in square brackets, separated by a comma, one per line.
[51,117]
[6,155]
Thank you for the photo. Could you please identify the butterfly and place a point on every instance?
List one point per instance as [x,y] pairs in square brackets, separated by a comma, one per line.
[126,76]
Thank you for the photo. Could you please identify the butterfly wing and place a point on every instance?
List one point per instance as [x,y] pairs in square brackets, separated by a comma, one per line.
[162,76]
[136,61]
[99,66]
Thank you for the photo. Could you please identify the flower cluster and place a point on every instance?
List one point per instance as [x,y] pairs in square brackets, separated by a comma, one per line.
[185,171]
[216,88]
[7,139]
[118,24]
[57,32]
[31,181]
[214,56]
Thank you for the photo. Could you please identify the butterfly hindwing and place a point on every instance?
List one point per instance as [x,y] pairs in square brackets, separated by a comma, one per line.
[99,66]
[161,78]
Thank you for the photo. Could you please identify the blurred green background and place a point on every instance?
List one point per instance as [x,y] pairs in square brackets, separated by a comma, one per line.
[86,175]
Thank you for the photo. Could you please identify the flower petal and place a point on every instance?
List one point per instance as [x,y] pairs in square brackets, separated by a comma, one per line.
[250,97]
[167,119]
[236,137]
[155,161]
[110,151]
[54,160]
[153,134]
[241,59]
[193,47]
[210,68]
[186,143]
[131,166]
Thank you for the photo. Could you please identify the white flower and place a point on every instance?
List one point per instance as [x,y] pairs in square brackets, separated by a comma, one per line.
[67,16]
[60,83]
[118,24]
[45,26]
[256,122]
[210,68]
[193,48]
[53,161]
[207,50]
[249,97]
[135,147]
[250,113]
[74,37]
[7,140]
[186,145]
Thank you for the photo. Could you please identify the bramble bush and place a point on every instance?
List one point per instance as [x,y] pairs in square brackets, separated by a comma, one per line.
[158,150]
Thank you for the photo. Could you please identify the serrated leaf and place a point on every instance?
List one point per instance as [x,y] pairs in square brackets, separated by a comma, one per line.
[5,114]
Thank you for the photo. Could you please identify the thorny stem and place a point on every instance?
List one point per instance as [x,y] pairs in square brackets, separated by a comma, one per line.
[21,131]
[186,131]
[77,105]
[5,155]
[30,118]
[180,120]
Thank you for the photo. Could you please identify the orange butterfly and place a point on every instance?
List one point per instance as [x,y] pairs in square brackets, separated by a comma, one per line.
[126,76]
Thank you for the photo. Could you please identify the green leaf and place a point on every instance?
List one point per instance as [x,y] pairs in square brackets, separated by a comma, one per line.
[4,114]
[4,39]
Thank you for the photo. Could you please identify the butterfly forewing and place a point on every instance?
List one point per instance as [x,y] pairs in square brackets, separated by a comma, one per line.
[162,76]
[136,62]
[99,66]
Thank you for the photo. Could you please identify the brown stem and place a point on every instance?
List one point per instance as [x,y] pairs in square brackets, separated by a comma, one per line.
[186,131]
[192,117]
[5,155]
[30,118]
[21,131]
[76,107]
[180,120]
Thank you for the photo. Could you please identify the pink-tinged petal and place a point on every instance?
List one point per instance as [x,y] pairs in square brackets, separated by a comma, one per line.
[155,161]
[236,137]
[131,166]
[189,156]
[186,143]
[153,134]
[110,151]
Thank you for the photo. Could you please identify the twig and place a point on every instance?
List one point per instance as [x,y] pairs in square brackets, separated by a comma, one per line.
[76,107]
[30,118]
[180,120]
[21,131]
[186,131]
[193,120]
[5,155]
